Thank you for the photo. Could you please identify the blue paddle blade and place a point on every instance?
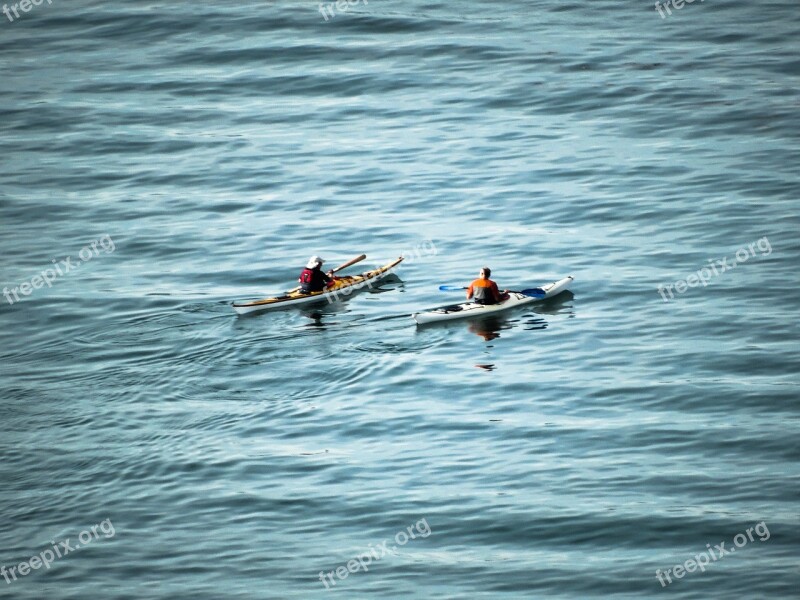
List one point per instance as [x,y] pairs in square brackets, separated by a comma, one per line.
[450,288]
[534,292]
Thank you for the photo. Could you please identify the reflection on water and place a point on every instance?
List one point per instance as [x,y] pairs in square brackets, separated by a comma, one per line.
[317,311]
[488,327]
[532,323]
[315,318]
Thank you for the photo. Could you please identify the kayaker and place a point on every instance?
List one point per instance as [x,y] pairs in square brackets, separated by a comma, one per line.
[483,290]
[312,279]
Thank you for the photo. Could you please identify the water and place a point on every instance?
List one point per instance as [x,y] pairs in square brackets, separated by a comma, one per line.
[565,450]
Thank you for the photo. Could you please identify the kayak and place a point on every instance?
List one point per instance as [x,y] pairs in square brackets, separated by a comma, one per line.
[341,289]
[473,309]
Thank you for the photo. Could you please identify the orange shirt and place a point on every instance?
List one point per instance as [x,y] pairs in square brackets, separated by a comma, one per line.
[484,283]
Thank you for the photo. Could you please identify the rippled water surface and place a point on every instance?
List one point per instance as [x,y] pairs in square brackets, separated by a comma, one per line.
[567,449]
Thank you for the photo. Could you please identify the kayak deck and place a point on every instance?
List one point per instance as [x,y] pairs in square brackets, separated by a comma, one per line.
[341,289]
[473,309]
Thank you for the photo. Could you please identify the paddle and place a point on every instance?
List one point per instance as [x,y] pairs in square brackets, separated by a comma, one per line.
[349,263]
[532,292]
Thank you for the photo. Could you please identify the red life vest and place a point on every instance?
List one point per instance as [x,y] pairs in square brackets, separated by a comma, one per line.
[307,276]
[313,280]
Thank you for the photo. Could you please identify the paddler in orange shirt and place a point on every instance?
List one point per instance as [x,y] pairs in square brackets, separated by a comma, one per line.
[483,290]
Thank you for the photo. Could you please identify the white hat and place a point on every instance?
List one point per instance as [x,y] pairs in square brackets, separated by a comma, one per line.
[314,261]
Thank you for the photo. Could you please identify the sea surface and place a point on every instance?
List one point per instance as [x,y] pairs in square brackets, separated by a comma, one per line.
[159,160]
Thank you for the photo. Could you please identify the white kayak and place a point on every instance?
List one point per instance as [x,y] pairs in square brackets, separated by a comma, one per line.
[473,309]
[342,288]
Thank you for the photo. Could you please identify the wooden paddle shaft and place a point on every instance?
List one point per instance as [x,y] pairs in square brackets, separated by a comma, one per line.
[350,262]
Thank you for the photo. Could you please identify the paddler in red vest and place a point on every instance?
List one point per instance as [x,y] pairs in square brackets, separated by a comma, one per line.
[312,279]
[483,290]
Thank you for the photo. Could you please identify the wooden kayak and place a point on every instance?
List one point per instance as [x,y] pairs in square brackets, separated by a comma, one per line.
[342,288]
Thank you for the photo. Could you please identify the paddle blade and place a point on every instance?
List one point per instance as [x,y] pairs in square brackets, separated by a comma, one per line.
[450,288]
[534,292]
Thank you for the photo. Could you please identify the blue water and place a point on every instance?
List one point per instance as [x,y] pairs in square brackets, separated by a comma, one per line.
[568,449]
